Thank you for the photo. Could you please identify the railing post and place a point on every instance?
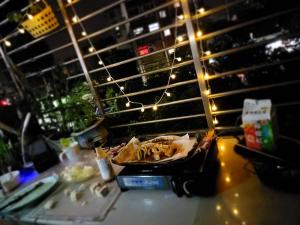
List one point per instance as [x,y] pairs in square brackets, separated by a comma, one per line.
[196,60]
[79,55]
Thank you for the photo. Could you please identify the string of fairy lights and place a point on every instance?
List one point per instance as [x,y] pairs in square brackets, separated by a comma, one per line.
[199,33]
[171,76]
[110,78]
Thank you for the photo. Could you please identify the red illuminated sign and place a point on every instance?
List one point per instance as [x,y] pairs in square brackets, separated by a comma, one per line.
[143,50]
[4,102]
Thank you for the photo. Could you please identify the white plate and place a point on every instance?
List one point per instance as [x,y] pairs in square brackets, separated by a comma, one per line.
[47,184]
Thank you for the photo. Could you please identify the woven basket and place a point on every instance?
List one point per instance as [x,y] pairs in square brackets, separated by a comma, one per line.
[42,22]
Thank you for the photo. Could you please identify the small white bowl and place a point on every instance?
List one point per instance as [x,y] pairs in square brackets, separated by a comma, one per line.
[10,180]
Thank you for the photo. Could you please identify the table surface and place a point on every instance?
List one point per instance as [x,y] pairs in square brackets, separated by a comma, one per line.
[241,199]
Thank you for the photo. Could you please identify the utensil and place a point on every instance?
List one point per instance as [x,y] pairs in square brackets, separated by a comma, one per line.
[29,194]
[19,197]
[10,180]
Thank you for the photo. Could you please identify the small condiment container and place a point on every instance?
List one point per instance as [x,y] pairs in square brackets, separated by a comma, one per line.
[104,165]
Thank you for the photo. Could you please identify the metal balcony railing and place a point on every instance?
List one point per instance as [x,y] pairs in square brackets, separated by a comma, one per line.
[196,108]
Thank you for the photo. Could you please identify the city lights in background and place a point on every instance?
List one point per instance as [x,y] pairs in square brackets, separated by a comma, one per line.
[4,102]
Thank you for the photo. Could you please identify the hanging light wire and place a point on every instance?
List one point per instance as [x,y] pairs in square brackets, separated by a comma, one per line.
[121,88]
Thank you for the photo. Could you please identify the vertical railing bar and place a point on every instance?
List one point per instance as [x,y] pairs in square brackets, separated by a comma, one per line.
[197,63]
[79,55]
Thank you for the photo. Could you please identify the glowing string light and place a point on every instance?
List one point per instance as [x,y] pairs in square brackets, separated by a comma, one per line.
[201,10]
[7,43]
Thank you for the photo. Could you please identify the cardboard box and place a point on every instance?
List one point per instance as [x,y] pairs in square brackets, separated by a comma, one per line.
[258,122]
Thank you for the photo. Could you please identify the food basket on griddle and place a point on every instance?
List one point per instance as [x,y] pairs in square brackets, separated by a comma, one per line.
[163,150]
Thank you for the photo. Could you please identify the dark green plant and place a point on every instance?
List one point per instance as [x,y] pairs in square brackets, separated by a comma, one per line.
[113,104]
[78,108]
[34,8]
[5,155]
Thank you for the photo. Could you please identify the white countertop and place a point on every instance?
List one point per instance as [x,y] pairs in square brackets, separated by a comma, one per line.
[241,199]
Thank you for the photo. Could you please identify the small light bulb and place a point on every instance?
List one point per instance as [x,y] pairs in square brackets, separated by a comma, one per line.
[179,59]
[7,43]
[155,107]
[206,76]
[208,53]
[218,207]
[181,17]
[75,19]
[117,28]
[91,49]
[109,79]
[214,107]
[235,211]
[122,88]
[69,1]
[222,164]
[201,10]
[83,33]
[128,104]
[236,195]
[30,16]
[168,94]
[207,92]
[100,62]
[215,121]
[173,76]
[227,179]
[177,4]
[199,33]
[222,147]
[179,38]
[142,109]
[21,30]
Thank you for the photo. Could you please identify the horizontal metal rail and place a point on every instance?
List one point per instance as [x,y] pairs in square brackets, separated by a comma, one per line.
[176,66]
[109,48]
[246,23]
[103,50]
[256,88]
[226,52]
[159,120]
[217,9]
[250,68]
[187,100]
[6,20]
[239,110]
[203,58]
[101,31]
[207,36]
[230,111]
[151,90]
[99,11]
[90,54]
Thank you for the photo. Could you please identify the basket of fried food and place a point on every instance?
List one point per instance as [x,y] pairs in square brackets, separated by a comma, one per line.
[158,150]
